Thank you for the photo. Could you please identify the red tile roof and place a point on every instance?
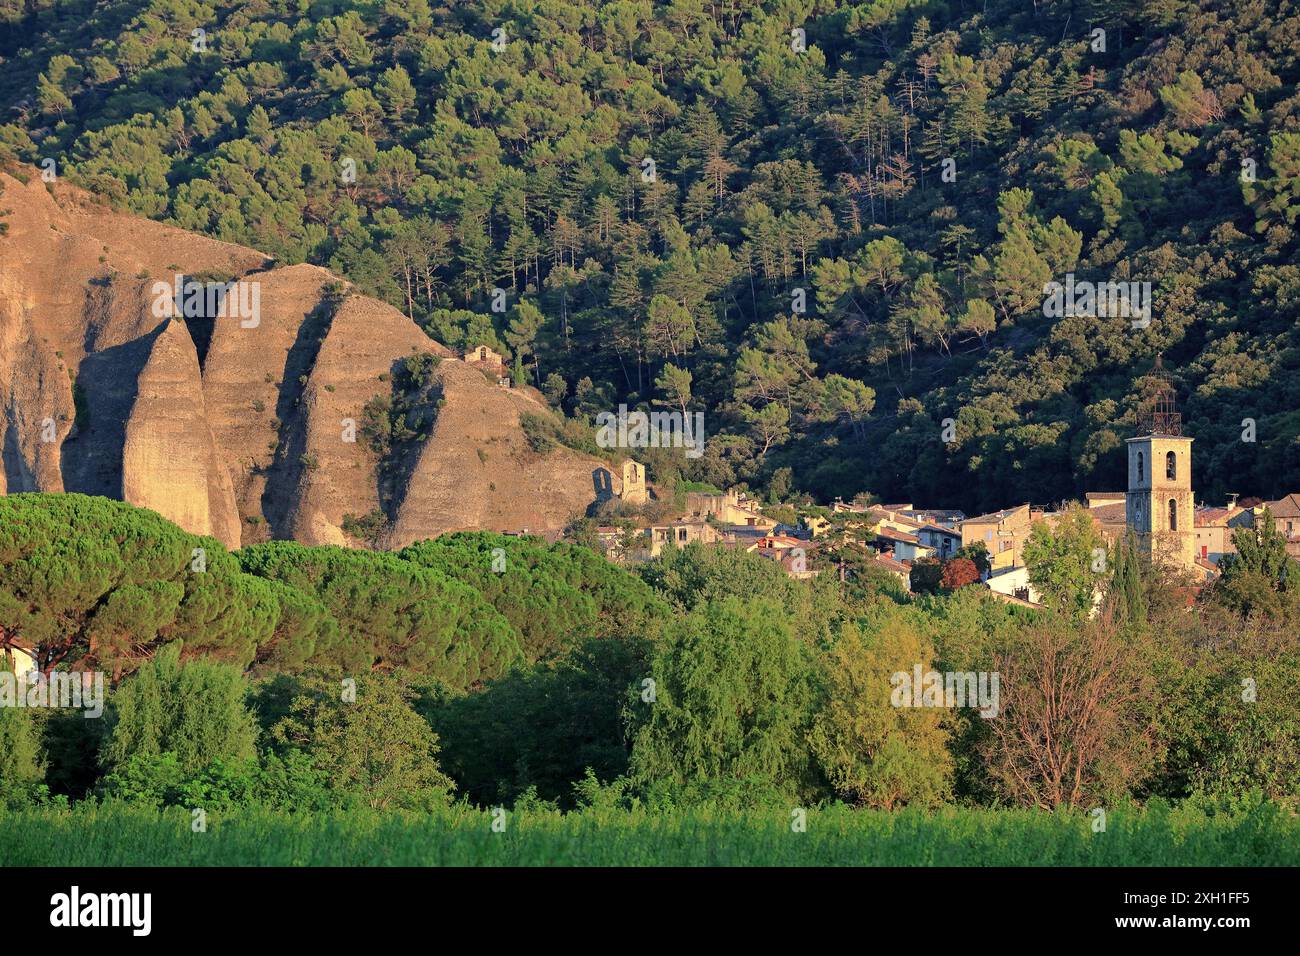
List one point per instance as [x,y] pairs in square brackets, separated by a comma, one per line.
[1110,514]
[996,517]
[890,564]
[1287,507]
[1211,517]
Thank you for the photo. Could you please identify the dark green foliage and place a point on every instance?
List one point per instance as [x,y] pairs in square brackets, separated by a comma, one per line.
[545,432]
[393,613]
[1128,590]
[775,170]
[543,728]
[696,575]
[394,425]
[364,740]
[189,713]
[562,679]
[1261,577]
[540,433]
[926,575]
[368,528]
[553,596]
[72,746]
[1227,724]
[97,582]
[22,768]
[734,695]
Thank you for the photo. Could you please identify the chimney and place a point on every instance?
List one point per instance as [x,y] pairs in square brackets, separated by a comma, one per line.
[1232,500]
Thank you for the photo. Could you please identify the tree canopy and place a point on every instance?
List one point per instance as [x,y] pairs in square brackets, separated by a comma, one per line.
[830,242]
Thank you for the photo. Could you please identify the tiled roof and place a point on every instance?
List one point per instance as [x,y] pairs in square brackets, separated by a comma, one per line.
[1287,507]
[891,564]
[907,522]
[1109,514]
[952,533]
[1209,517]
[995,516]
[894,534]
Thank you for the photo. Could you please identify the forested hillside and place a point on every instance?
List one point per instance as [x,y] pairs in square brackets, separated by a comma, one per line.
[652,183]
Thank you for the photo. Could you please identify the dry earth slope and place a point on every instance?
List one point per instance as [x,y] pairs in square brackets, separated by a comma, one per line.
[233,429]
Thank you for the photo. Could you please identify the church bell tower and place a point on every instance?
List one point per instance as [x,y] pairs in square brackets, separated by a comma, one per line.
[1160,509]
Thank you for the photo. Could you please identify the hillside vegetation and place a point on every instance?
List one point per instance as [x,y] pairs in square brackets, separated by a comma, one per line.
[651,183]
[491,671]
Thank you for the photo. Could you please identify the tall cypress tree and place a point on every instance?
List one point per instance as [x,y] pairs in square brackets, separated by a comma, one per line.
[1131,586]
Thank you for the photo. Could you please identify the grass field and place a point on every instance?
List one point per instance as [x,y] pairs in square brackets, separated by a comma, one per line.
[126,836]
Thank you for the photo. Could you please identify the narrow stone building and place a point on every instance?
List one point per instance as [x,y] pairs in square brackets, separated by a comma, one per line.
[1160,509]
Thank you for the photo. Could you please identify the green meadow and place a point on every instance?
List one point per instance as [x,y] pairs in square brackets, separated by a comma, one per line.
[120,835]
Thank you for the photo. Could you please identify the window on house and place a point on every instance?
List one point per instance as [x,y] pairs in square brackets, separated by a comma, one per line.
[681,534]
[1173,514]
[988,536]
[1171,466]
[1141,468]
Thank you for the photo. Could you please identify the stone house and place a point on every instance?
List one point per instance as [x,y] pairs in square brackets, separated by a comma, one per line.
[903,545]
[945,542]
[729,508]
[1014,582]
[633,483]
[1101,499]
[817,526]
[1286,517]
[1003,533]
[902,570]
[678,534]
[485,358]
[941,517]
[1214,530]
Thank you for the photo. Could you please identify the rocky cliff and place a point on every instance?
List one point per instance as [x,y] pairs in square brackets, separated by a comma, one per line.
[243,423]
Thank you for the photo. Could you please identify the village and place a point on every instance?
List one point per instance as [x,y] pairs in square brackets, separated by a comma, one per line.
[896,537]
[808,539]
[1158,508]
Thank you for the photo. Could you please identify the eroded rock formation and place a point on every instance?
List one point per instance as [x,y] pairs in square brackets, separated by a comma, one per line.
[238,429]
